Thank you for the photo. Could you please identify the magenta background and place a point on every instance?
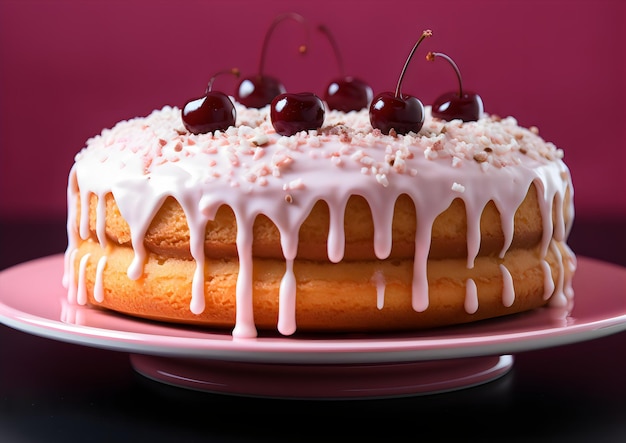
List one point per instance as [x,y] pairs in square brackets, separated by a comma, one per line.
[70,68]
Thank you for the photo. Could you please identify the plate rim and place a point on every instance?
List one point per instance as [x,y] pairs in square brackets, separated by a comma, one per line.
[400,347]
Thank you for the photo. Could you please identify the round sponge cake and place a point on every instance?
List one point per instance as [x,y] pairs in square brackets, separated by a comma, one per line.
[339,229]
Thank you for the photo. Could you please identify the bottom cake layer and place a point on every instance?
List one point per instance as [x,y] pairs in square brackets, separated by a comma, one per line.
[327,297]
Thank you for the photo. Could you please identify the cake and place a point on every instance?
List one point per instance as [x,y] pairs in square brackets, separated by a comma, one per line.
[331,230]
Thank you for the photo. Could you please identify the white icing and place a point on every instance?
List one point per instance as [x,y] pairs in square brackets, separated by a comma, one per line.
[508,290]
[548,282]
[98,290]
[379,280]
[471,296]
[81,292]
[255,171]
[69,280]
[287,301]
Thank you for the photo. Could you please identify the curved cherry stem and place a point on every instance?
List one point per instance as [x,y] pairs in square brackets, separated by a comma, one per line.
[333,43]
[290,15]
[426,33]
[233,71]
[431,57]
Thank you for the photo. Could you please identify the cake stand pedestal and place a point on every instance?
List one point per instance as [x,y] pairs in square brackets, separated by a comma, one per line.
[323,381]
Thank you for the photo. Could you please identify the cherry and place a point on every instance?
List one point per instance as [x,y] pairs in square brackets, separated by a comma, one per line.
[215,111]
[345,93]
[295,112]
[402,113]
[259,90]
[467,106]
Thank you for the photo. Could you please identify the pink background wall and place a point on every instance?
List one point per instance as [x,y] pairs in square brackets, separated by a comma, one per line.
[69,68]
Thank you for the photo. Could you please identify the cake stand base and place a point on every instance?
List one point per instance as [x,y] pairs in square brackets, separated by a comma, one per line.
[323,381]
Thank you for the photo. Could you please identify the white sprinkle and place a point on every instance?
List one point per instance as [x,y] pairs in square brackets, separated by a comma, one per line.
[258,153]
[259,140]
[382,179]
[458,188]
[294,184]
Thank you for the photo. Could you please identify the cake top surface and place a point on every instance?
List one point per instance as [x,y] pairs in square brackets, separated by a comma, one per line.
[252,155]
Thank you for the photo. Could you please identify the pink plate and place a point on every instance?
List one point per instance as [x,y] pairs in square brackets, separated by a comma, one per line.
[346,366]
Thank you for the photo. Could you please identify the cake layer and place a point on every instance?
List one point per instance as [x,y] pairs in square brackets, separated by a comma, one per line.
[168,234]
[344,297]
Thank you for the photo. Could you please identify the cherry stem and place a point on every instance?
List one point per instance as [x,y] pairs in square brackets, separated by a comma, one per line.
[426,33]
[233,71]
[431,57]
[333,43]
[290,15]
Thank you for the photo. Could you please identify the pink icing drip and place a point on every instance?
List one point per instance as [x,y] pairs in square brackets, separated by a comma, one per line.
[548,285]
[471,296]
[98,290]
[197,227]
[336,238]
[81,292]
[545,197]
[287,301]
[72,234]
[419,285]
[72,286]
[568,289]
[508,291]
[383,219]
[379,280]
[244,318]
[100,221]
[473,232]
[559,299]
[84,221]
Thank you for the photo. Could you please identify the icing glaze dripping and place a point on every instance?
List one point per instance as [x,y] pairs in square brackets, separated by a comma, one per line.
[98,290]
[508,291]
[471,296]
[559,298]
[548,285]
[81,292]
[100,221]
[287,301]
[244,317]
[379,281]
[72,286]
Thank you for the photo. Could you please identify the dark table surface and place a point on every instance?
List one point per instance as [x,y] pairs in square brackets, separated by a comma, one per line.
[51,391]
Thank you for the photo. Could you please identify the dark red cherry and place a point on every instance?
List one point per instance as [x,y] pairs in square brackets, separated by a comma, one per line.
[348,94]
[215,111]
[295,112]
[464,105]
[257,91]
[345,93]
[402,113]
[450,106]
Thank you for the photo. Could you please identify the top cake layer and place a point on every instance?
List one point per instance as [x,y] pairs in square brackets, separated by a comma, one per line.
[255,171]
